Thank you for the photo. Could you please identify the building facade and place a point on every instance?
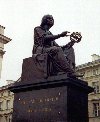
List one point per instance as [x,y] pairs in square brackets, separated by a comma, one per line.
[6,97]
[6,104]
[91,72]
[3,40]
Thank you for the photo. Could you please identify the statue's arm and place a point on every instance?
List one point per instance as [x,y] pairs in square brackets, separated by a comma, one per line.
[42,34]
[69,45]
[53,37]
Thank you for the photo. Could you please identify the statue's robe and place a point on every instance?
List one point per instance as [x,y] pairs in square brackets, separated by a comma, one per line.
[56,58]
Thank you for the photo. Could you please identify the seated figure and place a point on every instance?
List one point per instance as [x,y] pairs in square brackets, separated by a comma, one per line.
[46,51]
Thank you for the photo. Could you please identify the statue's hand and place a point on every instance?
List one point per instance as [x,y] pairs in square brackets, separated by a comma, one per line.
[64,34]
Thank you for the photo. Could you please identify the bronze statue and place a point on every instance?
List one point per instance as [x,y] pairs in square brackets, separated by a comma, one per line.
[60,59]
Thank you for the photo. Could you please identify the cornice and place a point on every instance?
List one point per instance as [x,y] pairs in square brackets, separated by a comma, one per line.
[2,26]
[2,52]
[4,39]
[89,64]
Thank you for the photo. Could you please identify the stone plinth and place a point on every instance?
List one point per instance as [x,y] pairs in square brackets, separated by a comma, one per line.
[56,99]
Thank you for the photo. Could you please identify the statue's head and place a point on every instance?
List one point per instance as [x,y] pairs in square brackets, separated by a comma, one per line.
[47,20]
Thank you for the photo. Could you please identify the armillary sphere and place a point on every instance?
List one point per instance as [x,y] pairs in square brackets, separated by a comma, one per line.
[75,36]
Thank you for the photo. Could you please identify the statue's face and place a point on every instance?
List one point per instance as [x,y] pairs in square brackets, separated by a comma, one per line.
[50,21]
[47,20]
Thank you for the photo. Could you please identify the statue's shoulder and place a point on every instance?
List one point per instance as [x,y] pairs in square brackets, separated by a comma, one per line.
[38,28]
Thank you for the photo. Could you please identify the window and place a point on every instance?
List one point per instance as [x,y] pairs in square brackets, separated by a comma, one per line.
[95,72]
[0,105]
[96,109]
[82,73]
[10,118]
[88,73]
[6,118]
[8,104]
[1,94]
[8,93]
[96,87]
[0,118]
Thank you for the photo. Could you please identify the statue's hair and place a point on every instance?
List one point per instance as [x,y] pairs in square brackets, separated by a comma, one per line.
[44,19]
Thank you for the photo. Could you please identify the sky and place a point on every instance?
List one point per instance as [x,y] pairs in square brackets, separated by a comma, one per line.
[19,17]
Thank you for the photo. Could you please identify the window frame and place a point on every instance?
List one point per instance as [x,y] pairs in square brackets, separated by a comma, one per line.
[96,87]
[8,104]
[96,109]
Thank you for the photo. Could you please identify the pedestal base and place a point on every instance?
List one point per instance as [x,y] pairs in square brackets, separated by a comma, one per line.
[55,100]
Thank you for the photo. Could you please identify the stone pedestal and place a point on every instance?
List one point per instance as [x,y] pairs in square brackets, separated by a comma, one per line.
[56,99]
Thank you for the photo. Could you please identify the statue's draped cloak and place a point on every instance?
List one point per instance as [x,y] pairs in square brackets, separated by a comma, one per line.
[58,58]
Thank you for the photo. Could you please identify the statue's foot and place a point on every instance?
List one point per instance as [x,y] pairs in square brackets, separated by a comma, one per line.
[61,73]
[74,75]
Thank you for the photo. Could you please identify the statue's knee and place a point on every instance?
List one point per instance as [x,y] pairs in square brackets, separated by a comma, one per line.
[59,49]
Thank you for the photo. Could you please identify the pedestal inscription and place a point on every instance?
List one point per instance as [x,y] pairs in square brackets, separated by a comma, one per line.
[45,105]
